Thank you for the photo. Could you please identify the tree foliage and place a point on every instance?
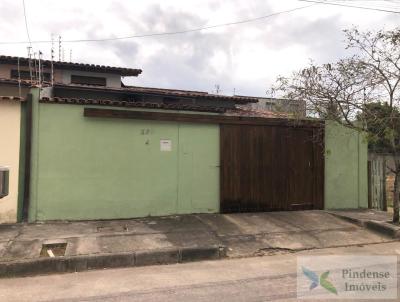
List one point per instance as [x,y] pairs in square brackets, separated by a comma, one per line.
[381,138]
[361,92]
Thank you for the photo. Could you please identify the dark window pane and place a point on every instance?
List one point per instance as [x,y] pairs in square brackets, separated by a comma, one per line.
[25,75]
[169,100]
[95,81]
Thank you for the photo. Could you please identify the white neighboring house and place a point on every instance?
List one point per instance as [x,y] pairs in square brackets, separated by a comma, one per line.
[295,107]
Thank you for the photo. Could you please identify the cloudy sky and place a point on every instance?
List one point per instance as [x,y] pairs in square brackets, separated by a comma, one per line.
[244,58]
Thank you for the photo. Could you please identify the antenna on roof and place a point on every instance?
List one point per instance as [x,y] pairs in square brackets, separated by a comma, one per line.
[217,89]
[30,61]
[19,79]
[52,60]
[35,66]
[59,48]
[40,69]
[63,55]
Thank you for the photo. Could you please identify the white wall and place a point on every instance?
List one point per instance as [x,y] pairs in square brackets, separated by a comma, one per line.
[64,76]
[10,119]
[113,80]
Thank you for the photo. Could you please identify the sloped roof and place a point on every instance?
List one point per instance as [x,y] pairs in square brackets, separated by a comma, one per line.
[24,83]
[249,112]
[162,92]
[140,90]
[150,105]
[11,98]
[74,66]
[189,93]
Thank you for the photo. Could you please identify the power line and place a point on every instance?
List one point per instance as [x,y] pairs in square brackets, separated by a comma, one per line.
[353,6]
[167,33]
[392,1]
[26,24]
[380,4]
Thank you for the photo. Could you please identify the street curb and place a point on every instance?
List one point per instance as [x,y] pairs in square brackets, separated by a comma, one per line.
[41,266]
[382,227]
[352,220]
[168,256]
[199,253]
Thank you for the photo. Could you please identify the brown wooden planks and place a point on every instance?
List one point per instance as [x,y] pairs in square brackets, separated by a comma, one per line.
[269,168]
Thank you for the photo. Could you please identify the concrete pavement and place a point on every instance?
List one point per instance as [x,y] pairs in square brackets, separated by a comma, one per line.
[363,215]
[152,240]
[265,278]
[378,221]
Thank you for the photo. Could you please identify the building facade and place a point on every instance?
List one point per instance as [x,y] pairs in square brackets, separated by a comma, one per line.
[80,151]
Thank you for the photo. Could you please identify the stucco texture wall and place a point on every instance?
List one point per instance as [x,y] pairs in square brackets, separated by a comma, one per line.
[94,168]
[346,164]
[113,80]
[10,119]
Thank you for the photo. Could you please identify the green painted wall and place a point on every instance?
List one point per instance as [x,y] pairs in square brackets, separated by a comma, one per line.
[346,164]
[93,168]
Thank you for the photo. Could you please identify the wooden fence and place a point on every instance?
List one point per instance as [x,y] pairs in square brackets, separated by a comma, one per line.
[377,183]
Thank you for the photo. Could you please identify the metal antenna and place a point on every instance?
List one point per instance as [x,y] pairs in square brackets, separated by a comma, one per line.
[30,61]
[36,72]
[59,48]
[40,69]
[19,80]
[52,60]
[63,55]
[217,89]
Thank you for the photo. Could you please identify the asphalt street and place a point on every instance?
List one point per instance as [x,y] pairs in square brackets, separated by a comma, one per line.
[267,278]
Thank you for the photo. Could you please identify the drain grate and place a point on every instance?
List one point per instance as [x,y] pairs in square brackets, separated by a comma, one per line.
[53,249]
[107,229]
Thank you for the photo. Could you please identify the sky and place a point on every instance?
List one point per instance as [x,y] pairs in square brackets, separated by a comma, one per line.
[243,59]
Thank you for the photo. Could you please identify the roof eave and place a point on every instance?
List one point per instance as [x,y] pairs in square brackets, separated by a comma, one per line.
[157,92]
[75,66]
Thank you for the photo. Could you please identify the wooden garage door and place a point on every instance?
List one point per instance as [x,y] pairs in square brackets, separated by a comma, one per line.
[270,168]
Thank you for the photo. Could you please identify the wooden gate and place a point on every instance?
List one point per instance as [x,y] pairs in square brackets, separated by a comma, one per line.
[377,183]
[270,168]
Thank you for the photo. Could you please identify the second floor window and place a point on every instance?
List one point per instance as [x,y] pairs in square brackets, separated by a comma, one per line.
[26,75]
[85,80]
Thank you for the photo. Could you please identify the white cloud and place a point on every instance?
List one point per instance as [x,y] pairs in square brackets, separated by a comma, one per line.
[246,57]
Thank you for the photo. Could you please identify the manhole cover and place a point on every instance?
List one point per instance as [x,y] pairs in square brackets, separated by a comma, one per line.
[53,249]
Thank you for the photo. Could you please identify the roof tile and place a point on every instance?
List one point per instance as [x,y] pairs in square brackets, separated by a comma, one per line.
[11,98]
[257,113]
[60,100]
[77,66]
[165,92]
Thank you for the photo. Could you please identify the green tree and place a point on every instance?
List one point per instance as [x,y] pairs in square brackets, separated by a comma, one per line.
[347,91]
[381,138]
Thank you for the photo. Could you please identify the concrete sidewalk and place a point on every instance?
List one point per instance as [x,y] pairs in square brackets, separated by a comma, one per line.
[172,239]
[378,221]
[270,278]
